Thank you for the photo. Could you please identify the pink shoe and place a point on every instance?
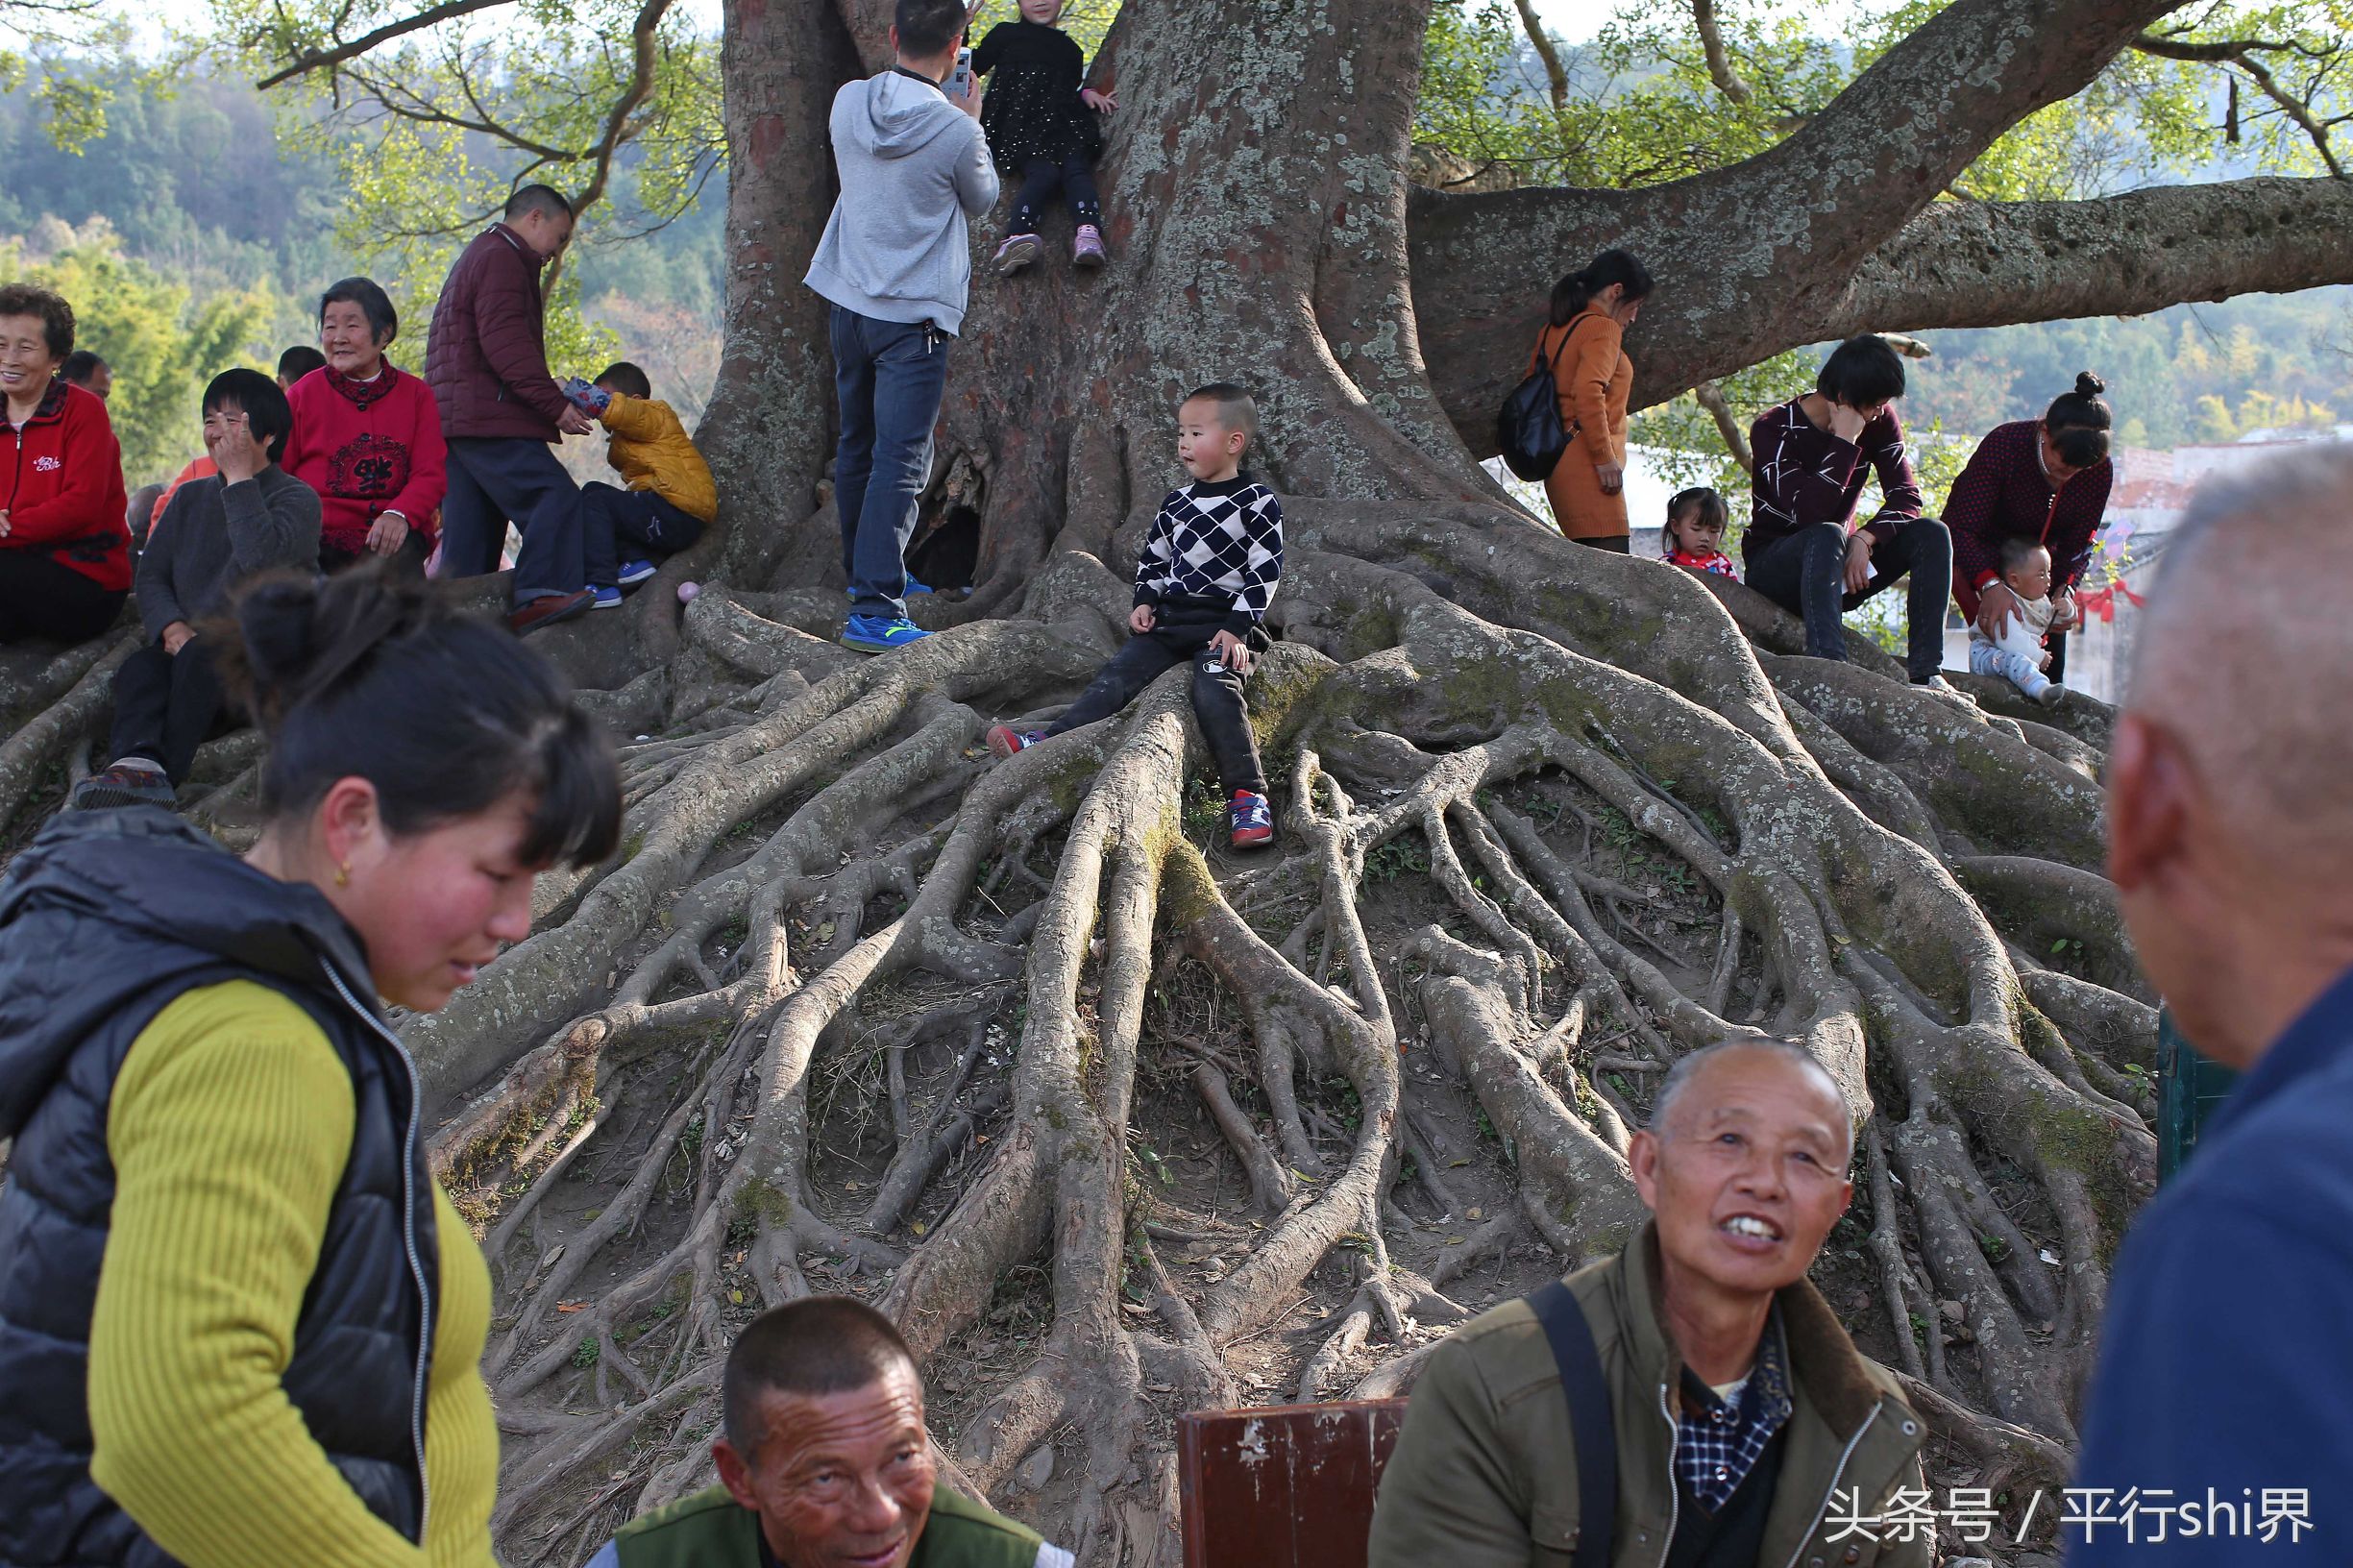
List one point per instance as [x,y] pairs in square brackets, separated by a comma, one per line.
[1017,251]
[1087,250]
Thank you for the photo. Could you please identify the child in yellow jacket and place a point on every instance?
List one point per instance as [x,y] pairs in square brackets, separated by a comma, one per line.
[669,496]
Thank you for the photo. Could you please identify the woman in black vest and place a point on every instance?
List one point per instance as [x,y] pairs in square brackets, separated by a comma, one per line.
[239,1322]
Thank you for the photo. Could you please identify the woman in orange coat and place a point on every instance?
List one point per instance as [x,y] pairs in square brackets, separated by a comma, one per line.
[1583,342]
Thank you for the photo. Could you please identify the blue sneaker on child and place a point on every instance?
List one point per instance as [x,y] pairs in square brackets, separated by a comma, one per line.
[873,634]
[608,599]
[633,572]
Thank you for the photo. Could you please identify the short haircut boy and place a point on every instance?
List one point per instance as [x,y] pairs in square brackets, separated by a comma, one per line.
[1862,371]
[260,400]
[626,379]
[928,27]
[298,362]
[1237,409]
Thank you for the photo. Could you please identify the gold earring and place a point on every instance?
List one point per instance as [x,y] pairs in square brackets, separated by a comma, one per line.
[343,874]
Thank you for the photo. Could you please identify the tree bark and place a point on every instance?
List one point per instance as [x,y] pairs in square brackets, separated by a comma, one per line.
[769,427]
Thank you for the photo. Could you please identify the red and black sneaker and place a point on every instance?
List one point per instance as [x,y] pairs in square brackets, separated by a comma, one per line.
[1254,821]
[1004,740]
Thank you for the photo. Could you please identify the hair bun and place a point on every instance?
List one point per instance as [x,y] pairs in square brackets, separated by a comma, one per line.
[289,637]
[2089,385]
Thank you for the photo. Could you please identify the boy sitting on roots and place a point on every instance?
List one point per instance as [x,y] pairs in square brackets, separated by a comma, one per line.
[1207,573]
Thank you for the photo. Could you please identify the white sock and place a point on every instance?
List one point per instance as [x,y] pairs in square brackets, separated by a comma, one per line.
[138,762]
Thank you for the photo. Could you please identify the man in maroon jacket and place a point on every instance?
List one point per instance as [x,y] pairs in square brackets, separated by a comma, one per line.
[487,364]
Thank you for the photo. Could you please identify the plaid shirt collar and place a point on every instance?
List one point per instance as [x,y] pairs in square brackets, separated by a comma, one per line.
[1716,1444]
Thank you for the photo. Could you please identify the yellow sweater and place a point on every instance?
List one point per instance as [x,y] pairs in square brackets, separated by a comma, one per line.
[651,450]
[228,1128]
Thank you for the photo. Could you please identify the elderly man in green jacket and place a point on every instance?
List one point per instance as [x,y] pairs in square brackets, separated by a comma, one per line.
[824,1462]
[1748,1428]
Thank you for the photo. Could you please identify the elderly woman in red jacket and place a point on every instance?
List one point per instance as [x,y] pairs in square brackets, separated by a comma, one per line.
[2046,479]
[367,436]
[65,546]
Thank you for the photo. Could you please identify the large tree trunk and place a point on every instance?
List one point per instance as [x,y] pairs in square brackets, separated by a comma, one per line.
[856,1010]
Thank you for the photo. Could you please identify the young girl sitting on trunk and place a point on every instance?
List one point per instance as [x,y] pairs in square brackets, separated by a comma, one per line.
[1694,535]
[1040,125]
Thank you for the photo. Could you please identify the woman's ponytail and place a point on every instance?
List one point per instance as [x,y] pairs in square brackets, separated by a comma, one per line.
[1574,292]
[369,675]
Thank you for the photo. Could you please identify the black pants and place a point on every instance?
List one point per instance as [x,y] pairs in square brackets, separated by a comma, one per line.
[493,482]
[1218,696]
[168,704]
[2056,643]
[1041,179]
[39,598]
[1621,544]
[1804,574]
[639,519]
[407,561]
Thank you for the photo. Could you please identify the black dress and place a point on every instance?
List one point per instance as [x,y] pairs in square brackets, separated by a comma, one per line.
[1033,108]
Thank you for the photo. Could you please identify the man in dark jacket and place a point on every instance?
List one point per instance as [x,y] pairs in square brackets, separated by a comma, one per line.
[1747,1427]
[823,1458]
[487,364]
[2225,1357]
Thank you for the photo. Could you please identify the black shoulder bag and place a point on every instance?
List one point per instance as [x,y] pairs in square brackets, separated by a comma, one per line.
[1529,431]
[1589,1424]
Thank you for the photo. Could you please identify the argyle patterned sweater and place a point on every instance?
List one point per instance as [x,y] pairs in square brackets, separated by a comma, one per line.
[1221,540]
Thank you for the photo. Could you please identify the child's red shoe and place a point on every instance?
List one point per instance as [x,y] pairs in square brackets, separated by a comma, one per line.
[1254,821]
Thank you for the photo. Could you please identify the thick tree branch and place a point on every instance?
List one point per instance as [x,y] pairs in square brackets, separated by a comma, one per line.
[1983,264]
[1957,264]
[1743,252]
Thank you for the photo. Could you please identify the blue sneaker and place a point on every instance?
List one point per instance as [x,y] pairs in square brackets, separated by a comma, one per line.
[873,634]
[608,599]
[915,587]
[633,572]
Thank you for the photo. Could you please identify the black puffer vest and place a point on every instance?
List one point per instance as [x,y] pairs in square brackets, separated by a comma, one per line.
[105,919]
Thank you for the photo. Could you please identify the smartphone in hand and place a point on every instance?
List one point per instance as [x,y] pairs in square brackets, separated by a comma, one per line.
[960,79]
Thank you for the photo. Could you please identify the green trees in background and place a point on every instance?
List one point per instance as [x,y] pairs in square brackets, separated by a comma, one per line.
[161,343]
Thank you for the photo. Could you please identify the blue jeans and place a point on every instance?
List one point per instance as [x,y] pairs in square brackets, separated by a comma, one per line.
[649,525]
[888,378]
[2019,671]
[1803,574]
[493,482]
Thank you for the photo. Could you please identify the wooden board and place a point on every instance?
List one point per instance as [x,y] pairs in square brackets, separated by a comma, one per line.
[1287,1487]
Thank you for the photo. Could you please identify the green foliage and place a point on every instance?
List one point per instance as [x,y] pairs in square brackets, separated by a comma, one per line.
[161,345]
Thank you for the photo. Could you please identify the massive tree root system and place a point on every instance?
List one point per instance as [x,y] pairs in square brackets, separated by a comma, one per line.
[1118,1123]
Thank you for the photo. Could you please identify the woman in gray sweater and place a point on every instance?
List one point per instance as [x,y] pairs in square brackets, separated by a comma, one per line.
[251,517]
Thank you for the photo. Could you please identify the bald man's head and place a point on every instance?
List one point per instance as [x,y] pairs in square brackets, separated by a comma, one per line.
[2246,652]
[2230,822]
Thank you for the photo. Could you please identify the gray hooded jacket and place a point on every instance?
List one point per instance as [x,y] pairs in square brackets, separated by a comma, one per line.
[914,168]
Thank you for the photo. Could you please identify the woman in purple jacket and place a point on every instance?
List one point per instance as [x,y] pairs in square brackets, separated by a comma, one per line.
[2046,479]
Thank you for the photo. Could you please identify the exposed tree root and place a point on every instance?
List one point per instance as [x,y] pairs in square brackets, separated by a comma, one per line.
[855,1010]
